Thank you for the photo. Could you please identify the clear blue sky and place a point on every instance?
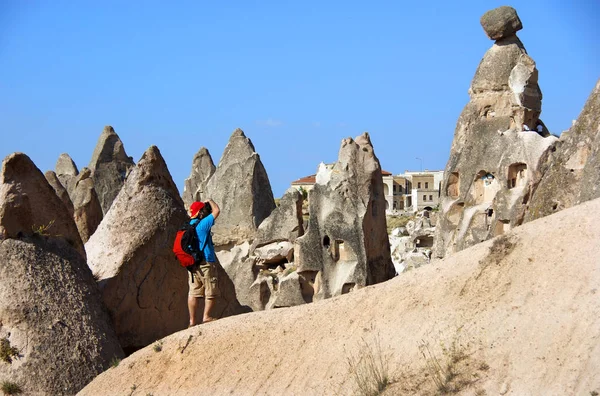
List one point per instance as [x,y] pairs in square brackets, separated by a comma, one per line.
[297,76]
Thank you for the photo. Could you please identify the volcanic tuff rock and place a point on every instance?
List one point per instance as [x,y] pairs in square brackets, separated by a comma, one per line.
[142,284]
[572,173]
[87,209]
[29,205]
[195,185]
[241,188]
[66,170]
[495,160]
[52,313]
[60,190]
[501,22]
[346,244]
[110,166]
[512,316]
[131,255]
[285,223]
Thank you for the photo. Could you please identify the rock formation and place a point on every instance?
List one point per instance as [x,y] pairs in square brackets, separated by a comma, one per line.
[29,205]
[572,173]
[516,315]
[346,245]
[66,171]
[130,254]
[241,187]
[110,166]
[496,155]
[60,190]
[285,222]
[87,209]
[195,185]
[413,248]
[51,317]
[142,284]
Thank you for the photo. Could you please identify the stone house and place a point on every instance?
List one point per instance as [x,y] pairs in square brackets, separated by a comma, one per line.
[410,191]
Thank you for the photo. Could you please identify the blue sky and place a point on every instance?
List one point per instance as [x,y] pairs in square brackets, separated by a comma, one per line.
[297,77]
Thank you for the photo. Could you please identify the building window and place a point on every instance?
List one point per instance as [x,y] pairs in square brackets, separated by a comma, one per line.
[426,185]
[394,188]
[431,197]
[419,185]
[424,197]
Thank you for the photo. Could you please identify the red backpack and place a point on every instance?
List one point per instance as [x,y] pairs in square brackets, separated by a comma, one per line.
[186,244]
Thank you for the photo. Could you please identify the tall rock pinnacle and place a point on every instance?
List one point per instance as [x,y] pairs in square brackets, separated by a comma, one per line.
[110,166]
[499,143]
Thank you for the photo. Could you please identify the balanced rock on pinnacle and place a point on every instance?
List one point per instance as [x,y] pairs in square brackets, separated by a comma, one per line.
[499,147]
[501,22]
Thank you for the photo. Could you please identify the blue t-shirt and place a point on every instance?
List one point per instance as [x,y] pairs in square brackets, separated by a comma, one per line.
[204,238]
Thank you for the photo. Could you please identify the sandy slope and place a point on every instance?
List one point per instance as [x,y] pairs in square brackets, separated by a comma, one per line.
[523,311]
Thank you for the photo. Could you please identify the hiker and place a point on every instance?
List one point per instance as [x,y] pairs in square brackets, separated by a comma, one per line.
[202,278]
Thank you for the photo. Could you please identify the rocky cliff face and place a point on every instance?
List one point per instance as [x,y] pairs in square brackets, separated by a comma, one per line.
[195,186]
[110,166]
[29,205]
[52,314]
[346,245]
[499,145]
[571,174]
[241,187]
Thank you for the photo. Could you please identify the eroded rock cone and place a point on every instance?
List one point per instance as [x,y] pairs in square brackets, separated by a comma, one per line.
[346,245]
[29,205]
[241,187]
[87,209]
[572,173]
[51,313]
[496,153]
[66,171]
[131,255]
[195,185]
[142,284]
[110,165]
[60,190]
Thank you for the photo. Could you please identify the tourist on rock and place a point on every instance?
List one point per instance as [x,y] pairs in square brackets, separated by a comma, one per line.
[202,278]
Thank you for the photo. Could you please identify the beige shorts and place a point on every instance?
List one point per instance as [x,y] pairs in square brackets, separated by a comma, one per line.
[205,282]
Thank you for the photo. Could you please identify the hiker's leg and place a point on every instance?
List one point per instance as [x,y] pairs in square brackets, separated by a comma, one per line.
[193,303]
[208,307]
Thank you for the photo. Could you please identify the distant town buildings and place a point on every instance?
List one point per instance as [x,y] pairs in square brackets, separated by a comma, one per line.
[410,191]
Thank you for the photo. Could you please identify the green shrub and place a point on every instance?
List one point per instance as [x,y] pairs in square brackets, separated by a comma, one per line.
[115,362]
[6,351]
[10,388]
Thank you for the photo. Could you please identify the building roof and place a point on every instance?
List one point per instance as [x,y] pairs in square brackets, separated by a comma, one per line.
[306,180]
[385,173]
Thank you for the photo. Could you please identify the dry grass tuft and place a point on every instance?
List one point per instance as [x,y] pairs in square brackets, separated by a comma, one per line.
[370,368]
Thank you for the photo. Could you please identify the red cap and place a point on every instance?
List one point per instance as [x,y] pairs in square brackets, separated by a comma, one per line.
[195,208]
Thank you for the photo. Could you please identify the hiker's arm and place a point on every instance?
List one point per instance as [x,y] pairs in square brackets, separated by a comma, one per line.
[215,208]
